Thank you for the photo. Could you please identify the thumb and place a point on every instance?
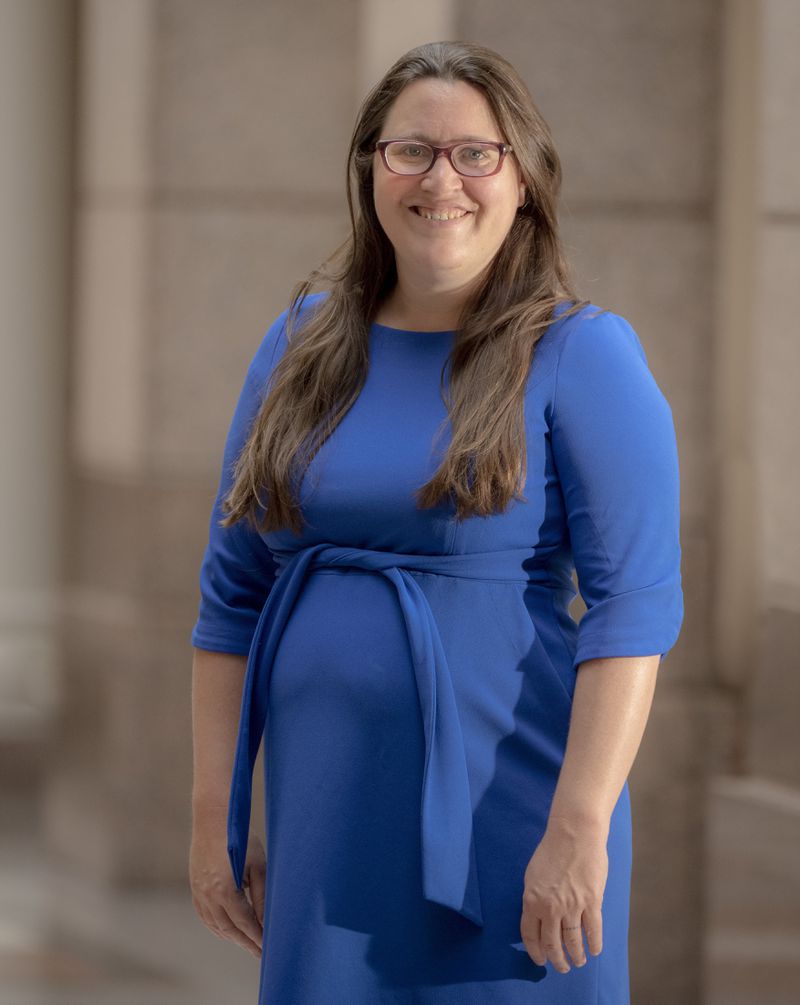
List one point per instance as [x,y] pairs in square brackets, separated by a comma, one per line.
[256,882]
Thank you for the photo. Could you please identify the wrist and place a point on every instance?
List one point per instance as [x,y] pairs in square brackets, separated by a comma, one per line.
[211,805]
[579,823]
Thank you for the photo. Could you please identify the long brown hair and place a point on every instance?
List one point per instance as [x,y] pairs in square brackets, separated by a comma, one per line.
[325,364]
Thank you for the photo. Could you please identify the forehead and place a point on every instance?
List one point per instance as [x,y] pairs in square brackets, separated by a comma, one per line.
[441,111]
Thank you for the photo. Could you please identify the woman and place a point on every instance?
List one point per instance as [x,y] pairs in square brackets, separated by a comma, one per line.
[420,456]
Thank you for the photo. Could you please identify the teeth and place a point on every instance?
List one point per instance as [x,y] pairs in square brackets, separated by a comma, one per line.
[430,215]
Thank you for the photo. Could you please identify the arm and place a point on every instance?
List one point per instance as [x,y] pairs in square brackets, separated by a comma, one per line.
[610,707]
[614,450]
[614,446]
[217,681]
[236,576]
[566,876]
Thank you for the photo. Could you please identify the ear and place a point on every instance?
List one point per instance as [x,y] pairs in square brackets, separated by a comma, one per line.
[522,195]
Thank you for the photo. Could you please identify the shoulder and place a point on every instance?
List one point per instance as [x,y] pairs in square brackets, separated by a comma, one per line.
[274,342]
[595,334]
[601,362]
[572,340]
[594,343]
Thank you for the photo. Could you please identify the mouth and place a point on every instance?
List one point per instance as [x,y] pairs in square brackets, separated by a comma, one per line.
[440,218]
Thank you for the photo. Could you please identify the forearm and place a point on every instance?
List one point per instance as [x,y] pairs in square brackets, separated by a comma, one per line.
[217,682]
[611,704]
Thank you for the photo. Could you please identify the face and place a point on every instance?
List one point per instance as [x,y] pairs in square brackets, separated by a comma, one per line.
[444,255]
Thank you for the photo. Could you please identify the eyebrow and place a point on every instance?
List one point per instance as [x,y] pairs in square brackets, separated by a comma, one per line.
[459,139]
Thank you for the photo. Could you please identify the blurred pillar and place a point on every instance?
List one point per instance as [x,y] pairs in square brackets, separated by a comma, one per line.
[212,141]
[36,123]
[102,795]
[773,698]
[755,803]
[388,29]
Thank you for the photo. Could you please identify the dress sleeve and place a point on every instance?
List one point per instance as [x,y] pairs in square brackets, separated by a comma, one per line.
[237,570]
[615,452]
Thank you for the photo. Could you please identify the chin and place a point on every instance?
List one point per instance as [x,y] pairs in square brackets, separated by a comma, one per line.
[441,259]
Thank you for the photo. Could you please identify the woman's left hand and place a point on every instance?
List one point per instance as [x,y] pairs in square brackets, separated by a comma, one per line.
[564,884]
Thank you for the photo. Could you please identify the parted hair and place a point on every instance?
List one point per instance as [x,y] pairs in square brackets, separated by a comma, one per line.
[324,366]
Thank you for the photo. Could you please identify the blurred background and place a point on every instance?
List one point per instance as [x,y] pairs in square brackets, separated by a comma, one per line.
[169,170]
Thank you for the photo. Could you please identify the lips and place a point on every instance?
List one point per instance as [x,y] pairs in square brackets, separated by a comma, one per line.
[451,213]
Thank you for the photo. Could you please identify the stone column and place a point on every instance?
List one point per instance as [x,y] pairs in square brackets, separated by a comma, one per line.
[387,29]
[105,793]
[36,119]
[754,828]
[213,140]
[774,740]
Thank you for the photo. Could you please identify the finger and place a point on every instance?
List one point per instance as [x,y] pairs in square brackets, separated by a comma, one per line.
[551,940]
[244,917]
[228,929]
[531,932]
[257,891]
[572,936]
[593,923]
[204,914]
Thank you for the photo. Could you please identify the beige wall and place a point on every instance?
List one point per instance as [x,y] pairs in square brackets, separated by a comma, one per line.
[36,109]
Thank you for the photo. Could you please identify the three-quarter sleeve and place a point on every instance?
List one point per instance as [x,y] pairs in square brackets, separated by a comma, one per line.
[615,452]
[237,570]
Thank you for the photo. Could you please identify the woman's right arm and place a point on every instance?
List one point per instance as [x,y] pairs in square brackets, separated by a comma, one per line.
[236,576]
[217,682]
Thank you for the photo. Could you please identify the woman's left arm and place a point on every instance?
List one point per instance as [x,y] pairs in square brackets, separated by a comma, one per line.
[610,707]
[566,876]
[614,449]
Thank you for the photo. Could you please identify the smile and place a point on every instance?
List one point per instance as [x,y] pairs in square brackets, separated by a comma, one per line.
[440,217]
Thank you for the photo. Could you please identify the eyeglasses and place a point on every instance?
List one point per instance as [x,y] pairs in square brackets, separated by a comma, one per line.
[474,160]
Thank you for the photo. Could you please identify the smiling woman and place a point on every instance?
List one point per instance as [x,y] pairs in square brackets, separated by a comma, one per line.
[421,456]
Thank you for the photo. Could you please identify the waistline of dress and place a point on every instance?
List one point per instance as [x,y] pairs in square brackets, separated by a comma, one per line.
[449,865]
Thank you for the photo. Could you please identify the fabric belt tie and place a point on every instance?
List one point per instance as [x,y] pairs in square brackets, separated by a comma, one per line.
[449,869]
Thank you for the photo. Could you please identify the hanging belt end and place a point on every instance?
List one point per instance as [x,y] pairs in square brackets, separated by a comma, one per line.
[236,856]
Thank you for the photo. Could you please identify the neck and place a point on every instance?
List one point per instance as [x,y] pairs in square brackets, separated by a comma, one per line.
[423,309]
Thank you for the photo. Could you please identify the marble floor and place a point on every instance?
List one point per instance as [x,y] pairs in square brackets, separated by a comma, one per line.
[65,943]
[752,952]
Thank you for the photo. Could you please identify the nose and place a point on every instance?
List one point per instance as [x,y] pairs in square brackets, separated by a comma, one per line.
[441,175]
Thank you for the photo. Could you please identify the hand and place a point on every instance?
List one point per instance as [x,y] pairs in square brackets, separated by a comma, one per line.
[564,884]
[222,907]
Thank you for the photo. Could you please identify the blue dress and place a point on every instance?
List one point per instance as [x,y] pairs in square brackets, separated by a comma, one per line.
[415,675]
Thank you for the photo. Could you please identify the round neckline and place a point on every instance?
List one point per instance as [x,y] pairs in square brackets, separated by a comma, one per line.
[410,331]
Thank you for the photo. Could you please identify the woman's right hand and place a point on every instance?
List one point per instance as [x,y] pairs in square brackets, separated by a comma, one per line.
[222,907]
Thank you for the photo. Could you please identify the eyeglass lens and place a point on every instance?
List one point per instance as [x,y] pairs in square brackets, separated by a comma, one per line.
[468,158]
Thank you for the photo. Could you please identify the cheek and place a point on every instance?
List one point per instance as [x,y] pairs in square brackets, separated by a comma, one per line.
[381,207]
[498,201]
[386,198]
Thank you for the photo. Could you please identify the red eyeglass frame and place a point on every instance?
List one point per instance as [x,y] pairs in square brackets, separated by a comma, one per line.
[504,149]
